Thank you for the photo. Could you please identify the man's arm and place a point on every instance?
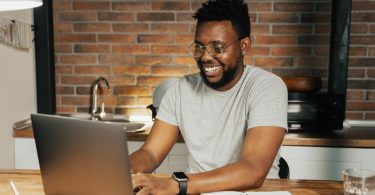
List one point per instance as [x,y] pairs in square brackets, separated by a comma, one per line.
[157,146]
[260,147]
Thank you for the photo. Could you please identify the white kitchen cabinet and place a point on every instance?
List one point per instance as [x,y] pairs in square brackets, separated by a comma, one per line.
[175,161]
[304,162]
[326,162]
[26,156]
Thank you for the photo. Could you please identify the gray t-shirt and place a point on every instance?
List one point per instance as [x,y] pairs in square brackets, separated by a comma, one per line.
[214,124]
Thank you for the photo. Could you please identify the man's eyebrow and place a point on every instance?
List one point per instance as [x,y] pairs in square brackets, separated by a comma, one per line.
[195,41]
[212,42]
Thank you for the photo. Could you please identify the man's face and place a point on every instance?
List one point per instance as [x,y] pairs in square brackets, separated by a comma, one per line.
[220,72]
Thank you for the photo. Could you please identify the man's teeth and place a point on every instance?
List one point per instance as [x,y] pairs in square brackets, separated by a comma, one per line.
[210,69]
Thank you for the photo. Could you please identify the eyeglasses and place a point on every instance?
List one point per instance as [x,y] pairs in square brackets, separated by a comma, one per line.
[214,48]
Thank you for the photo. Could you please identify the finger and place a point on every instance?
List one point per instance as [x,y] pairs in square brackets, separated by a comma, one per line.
[140,181]
[144,191]
[137,189]
[137,181]
[137,176]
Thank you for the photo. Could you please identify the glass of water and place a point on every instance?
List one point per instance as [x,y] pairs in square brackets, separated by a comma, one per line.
[359,182]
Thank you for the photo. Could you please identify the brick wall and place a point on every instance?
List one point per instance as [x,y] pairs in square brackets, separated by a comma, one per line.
[138,44]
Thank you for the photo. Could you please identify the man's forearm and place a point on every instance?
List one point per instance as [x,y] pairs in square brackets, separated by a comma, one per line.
[260,147]
[142,161]
[236,176]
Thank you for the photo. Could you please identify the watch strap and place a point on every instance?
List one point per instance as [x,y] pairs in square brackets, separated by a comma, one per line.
[182,180]
[183,187]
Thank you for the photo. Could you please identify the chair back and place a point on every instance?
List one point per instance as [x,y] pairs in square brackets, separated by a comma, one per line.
[284,169]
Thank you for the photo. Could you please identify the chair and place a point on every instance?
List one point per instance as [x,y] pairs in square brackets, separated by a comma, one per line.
[284,169]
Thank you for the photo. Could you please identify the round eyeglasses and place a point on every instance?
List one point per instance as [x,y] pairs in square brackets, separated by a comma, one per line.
[214,48]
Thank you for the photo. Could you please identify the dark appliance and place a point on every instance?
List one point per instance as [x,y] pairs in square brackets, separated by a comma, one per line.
[326,110]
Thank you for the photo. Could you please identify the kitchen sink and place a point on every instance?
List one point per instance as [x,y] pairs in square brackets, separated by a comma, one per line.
[129,126]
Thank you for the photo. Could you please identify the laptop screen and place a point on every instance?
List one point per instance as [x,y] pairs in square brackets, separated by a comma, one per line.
[81,156]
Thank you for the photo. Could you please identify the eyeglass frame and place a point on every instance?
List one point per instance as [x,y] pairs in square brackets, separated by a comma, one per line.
[205,47]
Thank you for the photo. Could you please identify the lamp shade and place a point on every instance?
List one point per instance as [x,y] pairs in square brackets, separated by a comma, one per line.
[6,5]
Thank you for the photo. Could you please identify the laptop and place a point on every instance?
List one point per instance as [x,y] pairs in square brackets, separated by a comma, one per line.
[81,156]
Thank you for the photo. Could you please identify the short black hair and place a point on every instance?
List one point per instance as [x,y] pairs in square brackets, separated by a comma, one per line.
[236,11]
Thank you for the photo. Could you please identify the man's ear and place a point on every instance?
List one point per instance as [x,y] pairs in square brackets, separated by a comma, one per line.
[245,45]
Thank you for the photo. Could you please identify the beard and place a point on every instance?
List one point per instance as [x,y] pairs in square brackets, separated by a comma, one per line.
[228,75]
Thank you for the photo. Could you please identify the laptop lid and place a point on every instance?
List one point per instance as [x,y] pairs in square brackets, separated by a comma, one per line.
[81,156]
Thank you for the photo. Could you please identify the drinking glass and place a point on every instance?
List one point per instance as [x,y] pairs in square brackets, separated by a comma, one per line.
[359,182]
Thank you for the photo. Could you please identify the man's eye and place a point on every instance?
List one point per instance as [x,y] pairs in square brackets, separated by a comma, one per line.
[218,48]
[197,46]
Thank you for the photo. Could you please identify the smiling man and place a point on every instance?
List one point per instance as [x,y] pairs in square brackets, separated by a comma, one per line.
[232,116]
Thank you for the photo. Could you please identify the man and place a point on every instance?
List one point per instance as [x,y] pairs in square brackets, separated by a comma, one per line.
[232,116]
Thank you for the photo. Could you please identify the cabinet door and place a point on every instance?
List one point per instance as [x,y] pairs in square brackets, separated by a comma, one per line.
[26,156]
[177,160]
[368,158]
[323,162]
[133,146]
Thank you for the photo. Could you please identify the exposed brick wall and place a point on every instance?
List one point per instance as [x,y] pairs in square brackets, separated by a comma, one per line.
[138,44]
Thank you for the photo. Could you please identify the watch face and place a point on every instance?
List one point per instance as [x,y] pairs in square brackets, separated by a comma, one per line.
[180,176]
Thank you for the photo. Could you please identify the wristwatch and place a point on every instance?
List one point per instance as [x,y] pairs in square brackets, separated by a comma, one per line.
[182,180]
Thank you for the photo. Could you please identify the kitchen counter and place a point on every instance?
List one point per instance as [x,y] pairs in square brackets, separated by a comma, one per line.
[363,137]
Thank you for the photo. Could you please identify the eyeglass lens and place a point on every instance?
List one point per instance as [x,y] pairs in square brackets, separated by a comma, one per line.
[214,49]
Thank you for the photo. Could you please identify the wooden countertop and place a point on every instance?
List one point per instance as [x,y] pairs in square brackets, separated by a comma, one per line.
[363,137]
[29,182]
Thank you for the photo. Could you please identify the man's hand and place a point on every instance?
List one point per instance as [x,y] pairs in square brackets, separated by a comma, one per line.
[149,184]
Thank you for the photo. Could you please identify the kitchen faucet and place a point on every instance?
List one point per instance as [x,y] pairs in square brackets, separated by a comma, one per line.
[94,105]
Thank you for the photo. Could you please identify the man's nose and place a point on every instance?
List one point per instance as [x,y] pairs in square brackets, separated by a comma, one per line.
[206,56]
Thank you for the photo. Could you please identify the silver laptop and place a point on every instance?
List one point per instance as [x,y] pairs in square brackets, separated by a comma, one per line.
[81,156]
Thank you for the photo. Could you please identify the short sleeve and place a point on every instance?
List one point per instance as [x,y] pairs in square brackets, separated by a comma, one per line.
[167,108]
[269,104]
